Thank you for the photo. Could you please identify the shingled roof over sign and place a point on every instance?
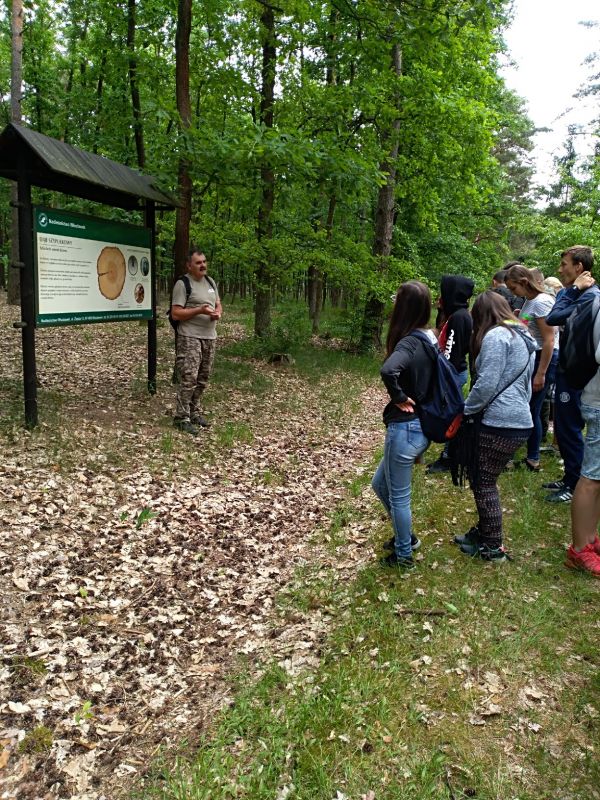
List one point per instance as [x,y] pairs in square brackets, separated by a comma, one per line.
[59,166]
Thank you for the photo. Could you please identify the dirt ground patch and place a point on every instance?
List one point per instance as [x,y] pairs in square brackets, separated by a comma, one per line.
[137,564]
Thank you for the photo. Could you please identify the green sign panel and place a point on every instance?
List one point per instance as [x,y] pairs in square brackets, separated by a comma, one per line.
[90,270]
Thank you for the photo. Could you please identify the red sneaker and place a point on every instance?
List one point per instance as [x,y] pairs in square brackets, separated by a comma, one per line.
[587,560]
[596,545]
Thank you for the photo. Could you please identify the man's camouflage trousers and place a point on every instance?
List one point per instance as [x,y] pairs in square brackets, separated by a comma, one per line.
[194,363]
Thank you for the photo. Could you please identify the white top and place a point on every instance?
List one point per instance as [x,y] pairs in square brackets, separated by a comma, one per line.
[535,309]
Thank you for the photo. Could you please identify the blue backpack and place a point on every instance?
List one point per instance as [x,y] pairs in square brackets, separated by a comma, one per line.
[440,412]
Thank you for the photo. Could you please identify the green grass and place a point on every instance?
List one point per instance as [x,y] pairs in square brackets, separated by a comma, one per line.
[394,705]
[230,433]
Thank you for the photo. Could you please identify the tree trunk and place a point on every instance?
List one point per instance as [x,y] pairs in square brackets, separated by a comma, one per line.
[13,295]
[315,275]
[384,223]
[182,83]
[262,302]
[99,95]
[138,129]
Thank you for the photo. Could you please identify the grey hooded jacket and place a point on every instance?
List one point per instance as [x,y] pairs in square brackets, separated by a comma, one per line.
[504,354]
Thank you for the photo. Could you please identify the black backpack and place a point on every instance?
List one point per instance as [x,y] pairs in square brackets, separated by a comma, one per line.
[577,354]
[440,413]
[188,291]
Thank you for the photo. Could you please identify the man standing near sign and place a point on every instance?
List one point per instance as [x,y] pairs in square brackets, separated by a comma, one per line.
[197,313]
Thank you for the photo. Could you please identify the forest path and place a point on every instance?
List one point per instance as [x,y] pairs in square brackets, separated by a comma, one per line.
[138,564]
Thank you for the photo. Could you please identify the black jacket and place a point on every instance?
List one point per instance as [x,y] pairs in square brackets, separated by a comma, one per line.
[407,372]
[455,338]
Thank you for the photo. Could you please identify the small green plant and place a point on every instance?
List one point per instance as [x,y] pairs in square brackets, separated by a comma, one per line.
[123,516]
[83,592]
[84,713]
[356,485]
[166,443]
[139,383]
[272,477]
[339,519]
[233,432]
[144,516]
[39,740]
[27,671]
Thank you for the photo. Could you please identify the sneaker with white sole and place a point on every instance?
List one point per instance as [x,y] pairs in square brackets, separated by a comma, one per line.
[554,486]
[485,552]
[586,560]
[564,495]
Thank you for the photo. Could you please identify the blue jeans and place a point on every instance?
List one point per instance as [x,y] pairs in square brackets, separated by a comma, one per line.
[590,467]
[535,406]
[463,377]
[404,443]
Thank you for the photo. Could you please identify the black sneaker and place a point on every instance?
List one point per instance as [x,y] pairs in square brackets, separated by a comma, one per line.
[185,426]
[441,465]
[555,486]
[485,552]
[564,495]
[198,419]
[393,561]
[471,537]
[415,543]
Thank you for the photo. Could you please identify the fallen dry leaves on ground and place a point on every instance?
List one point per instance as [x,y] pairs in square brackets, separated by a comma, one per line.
[130,584]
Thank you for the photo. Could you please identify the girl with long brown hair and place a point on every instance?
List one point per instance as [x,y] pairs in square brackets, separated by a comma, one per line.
[407,374]
[502,352]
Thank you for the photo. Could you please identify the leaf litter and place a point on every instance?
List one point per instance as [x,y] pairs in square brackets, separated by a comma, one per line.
[138,565]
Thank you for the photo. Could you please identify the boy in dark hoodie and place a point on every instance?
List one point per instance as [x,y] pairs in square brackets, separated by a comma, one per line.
[454,337]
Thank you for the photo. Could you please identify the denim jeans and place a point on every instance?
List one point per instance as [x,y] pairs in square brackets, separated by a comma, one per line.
[463,377]
[535,406]
[404,443]
[590,468]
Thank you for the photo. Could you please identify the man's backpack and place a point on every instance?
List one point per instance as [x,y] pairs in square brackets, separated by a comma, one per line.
[577,354]
[188,290]
[440,413]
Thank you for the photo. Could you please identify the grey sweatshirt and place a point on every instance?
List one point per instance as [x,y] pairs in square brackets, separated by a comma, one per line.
[591,392]
[503,356]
